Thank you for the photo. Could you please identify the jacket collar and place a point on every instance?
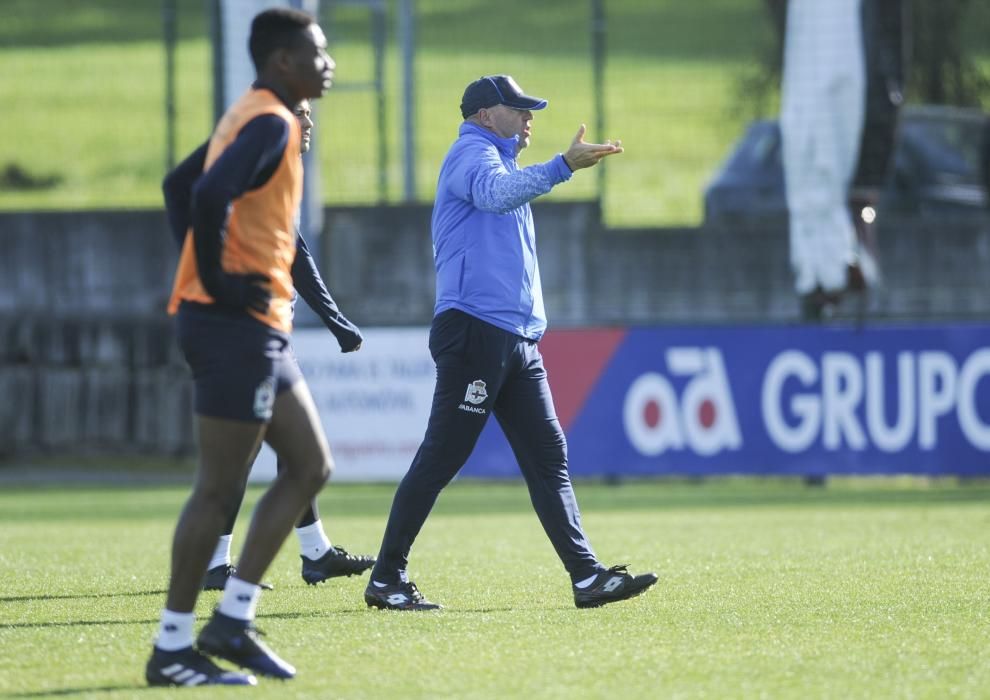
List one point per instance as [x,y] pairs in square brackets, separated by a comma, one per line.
[506,147]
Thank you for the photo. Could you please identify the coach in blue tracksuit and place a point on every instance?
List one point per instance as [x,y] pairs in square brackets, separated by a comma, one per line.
[488,319]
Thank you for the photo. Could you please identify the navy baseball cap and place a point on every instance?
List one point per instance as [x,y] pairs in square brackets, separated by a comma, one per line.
[491,90]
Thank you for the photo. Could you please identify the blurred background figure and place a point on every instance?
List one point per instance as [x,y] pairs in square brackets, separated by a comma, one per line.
[884,23]
[841,89]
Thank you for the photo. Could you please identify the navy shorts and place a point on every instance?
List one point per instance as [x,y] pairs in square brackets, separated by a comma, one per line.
[239,364]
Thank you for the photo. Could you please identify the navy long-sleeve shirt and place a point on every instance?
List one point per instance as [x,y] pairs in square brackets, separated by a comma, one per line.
[201,200]
[246,164]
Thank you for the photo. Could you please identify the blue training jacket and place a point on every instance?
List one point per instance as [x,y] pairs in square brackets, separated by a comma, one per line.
[484,245]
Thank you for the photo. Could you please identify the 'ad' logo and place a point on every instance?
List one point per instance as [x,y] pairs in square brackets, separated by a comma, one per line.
[703,418]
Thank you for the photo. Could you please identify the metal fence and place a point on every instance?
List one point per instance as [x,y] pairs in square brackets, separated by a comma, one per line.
[661,76]
[89,121]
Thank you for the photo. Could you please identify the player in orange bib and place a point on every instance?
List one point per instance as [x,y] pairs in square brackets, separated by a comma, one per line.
[321,559]
[232,299]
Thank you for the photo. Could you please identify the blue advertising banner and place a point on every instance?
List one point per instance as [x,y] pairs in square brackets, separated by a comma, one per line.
[803,400]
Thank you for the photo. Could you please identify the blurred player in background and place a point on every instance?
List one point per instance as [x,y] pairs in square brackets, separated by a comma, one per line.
[320,559]
[488,320]
[233,300]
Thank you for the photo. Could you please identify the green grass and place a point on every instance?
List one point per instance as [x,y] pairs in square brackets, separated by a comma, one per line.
[865,588]
[98,123]
[83,88]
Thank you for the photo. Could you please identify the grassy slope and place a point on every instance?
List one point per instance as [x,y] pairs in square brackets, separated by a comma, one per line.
[99,123]
[768,589]
[83,85]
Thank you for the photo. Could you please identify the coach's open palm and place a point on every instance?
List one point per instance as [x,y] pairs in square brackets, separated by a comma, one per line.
[584,155]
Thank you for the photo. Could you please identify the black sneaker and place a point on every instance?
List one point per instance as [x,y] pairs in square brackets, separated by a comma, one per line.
[401,596]
[238,641]
[216,578]
[613,585]
[189,667]
[336,562]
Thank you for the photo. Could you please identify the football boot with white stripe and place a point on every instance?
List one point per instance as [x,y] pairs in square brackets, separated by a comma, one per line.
[401,596]
[188,667]
[612,586]
[238,641]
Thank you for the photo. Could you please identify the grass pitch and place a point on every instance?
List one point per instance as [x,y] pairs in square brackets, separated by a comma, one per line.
[84,91]
[768,589]
[98,128]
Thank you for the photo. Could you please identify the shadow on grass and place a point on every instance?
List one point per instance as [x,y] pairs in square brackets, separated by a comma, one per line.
[476,611]
[73,623]
[311,613]
[271,616]
[79,596]
[472,496]
[57,23]
[97,623]
[66,692]
[673,31]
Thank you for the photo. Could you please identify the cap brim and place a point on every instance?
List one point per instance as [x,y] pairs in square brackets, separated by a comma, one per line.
[526,102]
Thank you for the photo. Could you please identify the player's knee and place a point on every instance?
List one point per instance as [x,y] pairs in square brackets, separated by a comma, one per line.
[317,476]
[215,500]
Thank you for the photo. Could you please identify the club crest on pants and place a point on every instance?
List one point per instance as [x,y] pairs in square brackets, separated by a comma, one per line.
[264,399]
[476,394]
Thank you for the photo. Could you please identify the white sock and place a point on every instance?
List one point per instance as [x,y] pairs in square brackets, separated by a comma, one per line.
[240,599]
[313,542]
[586,582]
[221,555]
[175,631]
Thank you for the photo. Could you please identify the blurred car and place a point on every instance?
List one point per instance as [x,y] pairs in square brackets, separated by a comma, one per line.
[936,170]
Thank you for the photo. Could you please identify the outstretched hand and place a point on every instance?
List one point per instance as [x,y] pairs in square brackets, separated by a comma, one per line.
[584,155]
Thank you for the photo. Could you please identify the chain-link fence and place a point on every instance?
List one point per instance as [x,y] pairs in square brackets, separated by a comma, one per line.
[86,122]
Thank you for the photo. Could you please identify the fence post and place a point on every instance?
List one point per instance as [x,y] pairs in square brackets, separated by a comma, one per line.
[407,29]
[598,31]
[378,19]
[169,26]
[216,42]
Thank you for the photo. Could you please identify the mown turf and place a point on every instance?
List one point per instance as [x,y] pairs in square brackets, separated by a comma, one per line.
[98,126]
[768,589]
[84,94]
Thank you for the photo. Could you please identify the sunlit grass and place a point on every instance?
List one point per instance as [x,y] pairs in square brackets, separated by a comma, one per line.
[863,588]
[84,94]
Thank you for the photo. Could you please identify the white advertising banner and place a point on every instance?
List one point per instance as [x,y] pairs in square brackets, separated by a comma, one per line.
[374,403]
